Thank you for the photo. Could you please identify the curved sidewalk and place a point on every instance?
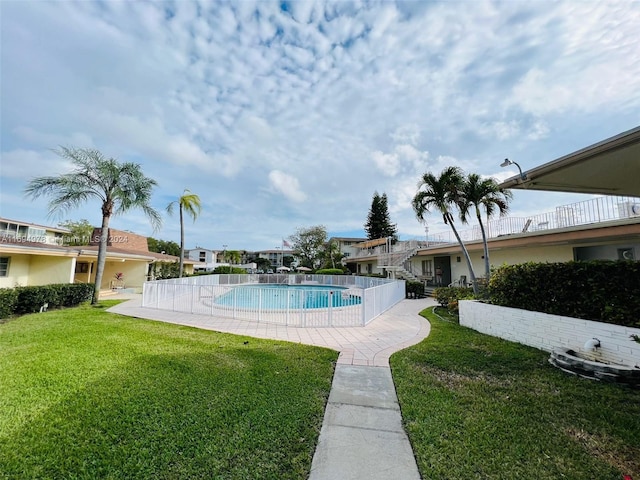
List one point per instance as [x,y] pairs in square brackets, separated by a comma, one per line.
[397,328]
[362,437]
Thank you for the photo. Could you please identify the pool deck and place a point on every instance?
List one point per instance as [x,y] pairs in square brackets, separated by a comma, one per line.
[362,435]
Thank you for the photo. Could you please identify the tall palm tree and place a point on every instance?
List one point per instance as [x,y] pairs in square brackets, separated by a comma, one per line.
[483,194]
[119,187]
[190,203]
[443,193]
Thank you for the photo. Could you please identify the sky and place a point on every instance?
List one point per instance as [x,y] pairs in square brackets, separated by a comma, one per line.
[287,115]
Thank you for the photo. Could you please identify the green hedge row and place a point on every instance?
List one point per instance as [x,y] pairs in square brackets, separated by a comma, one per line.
[330,271]
[228,269]
[605,291]
[21,300]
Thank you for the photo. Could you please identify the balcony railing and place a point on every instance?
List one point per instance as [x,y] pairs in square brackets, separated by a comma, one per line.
[594,210]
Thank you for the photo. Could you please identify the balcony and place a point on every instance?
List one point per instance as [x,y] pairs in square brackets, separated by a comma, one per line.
[592,211]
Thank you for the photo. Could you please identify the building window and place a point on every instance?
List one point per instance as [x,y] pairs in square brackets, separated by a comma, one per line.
[82,267]
[427,268]
[4,266]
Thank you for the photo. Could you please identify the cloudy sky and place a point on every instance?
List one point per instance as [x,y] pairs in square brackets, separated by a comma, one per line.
[282,115]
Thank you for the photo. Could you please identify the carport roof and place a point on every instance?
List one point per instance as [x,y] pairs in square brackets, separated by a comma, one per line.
[610,167]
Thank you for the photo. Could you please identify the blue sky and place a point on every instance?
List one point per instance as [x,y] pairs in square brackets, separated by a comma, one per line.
[283,115]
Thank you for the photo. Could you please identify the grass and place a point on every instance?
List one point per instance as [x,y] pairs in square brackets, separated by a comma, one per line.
[89,394]
[477,407]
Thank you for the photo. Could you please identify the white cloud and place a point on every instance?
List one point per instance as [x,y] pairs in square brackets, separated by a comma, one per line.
[287,185]
[345,97]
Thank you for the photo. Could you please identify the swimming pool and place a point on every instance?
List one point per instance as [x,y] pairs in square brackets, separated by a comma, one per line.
[303,300]
[281,297]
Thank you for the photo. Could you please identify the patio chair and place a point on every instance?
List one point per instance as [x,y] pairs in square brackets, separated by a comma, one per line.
[461,282]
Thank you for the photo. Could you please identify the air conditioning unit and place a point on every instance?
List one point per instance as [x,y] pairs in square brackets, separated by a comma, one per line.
[629,209]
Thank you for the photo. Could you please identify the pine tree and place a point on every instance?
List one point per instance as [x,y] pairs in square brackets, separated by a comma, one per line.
[378,221]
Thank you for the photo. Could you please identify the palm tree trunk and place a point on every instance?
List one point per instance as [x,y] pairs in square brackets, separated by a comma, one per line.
[474,282]
[102,257]
[485,243]
[181,242]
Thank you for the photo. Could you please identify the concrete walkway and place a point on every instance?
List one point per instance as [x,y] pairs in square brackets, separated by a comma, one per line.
[362,435]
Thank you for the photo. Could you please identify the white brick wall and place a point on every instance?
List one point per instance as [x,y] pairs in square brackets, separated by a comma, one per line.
[546,332]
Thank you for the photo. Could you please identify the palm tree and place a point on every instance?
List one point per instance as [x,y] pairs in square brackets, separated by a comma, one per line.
[331,252]
[119,187]
[190,203]
[484,194]
[232,256]
[442,194]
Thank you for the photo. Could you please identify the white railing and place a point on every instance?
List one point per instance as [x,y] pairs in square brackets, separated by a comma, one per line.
[594,210]
[359,301]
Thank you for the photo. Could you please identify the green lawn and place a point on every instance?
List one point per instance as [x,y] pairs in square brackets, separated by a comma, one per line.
[477,407]
[89,394]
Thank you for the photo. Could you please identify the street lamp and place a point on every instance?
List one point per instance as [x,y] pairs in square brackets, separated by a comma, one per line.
[508,162]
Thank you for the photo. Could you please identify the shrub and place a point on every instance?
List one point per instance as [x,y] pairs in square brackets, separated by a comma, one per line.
[31,299]
[226,269]
[330,271]
[8,299]
[448,296]
[606,291]
[414,289]
[76,293]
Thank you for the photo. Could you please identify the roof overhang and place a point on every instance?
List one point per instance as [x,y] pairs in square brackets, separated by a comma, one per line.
[610,167]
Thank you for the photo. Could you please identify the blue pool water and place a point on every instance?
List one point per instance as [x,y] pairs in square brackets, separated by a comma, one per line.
[277,297]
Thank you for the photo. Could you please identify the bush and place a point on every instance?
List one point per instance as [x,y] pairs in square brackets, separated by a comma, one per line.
[448,296]
[414,289]
[76,293]
[330,271]
[31,299]
[605,291]
[8,299]
[229,269]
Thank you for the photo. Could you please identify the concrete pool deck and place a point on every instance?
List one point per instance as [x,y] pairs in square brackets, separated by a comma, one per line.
[362,435]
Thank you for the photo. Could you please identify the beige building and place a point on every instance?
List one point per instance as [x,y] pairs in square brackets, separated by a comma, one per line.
[33,254]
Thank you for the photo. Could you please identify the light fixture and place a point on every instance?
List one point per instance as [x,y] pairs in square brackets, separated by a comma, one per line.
[592,344]
[508,162]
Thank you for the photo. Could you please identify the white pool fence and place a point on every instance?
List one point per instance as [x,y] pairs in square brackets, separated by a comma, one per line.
[360,300]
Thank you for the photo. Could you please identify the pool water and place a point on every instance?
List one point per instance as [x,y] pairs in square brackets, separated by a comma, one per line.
[277,297]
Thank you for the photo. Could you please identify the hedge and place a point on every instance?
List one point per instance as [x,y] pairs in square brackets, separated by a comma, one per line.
[330,271]
[8,299]
[21,300]
[225,269]
[605,291]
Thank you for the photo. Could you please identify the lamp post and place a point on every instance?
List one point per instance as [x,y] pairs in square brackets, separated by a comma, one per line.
[507,162]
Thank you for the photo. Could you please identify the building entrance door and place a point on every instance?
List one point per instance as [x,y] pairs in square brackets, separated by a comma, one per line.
[442,264]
